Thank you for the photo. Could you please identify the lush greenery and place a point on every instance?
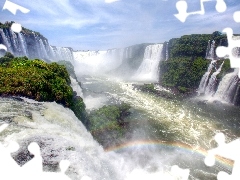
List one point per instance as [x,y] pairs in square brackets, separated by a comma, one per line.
[187,64]
[69,67]
[150,88]
[183,73]
[107,122]
[38,80]
[194,45]
[35,79]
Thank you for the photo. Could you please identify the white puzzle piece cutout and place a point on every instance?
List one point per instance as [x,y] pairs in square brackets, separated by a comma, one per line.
[182,9]
[227,150]
[16,27]
[223,51]
[12,7]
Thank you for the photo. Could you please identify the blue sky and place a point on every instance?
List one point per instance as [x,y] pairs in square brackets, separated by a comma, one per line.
[97,25]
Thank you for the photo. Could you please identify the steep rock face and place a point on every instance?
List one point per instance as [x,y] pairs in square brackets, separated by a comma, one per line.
[32,44]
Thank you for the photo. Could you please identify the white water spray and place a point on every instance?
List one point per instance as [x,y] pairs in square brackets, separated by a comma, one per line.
[148,70]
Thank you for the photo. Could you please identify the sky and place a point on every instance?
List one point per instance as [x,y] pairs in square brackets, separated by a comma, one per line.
[106,24]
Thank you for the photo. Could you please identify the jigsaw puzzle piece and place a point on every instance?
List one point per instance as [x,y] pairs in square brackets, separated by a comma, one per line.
[221,6]
[236,16]
[10,165]
[12,7]
[34,167]
[181,174]
[182,11]
[222,51]
[16,27]
[182,6]
[227,150]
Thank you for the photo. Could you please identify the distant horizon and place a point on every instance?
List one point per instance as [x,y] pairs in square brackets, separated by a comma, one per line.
[102,25]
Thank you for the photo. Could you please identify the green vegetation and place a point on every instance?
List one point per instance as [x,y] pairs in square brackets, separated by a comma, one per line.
[78,105]
[187,64]
[69,68]
[194,45]
[183,73]
[40,81]
[148,88]
[106,123]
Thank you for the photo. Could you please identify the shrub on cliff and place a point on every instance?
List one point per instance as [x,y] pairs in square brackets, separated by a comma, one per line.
[183,73]
[35,79]
[40,81]
[194,45]
[69,67]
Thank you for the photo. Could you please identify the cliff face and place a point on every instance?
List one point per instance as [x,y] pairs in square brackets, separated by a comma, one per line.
[32,44]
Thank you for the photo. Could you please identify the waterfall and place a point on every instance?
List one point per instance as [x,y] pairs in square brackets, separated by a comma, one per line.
[43,49]
[76,87]
[116,55]
[212,84]
[128,53]
[227,87]
[67,54]
[82,55]
[33,45]
[14,40]
[148,70]
[37,46]
[210,54]
[60,136]
[51,53]
[63,53]
[23,44]
[205,78]
[167,53]
[6,41]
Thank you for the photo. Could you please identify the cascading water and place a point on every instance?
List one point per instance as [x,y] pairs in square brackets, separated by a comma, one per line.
[148,70]
[75,86]
[6,41]
[205,78]
[227,87]
[116,55]
[43,49]
[210,54]
[63,53]
[23,44]
[52,53]
[60,136]
[212,84]
[14,41]
[33,45]
[37,46]
[167,53]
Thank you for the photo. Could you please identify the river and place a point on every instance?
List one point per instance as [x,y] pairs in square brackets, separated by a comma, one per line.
[161,133]
[166,132]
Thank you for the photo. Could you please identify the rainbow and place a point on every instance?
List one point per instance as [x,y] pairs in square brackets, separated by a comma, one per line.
[162,144]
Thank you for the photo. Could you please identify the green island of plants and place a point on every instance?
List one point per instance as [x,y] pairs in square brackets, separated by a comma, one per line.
[108,122]
[38,80]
